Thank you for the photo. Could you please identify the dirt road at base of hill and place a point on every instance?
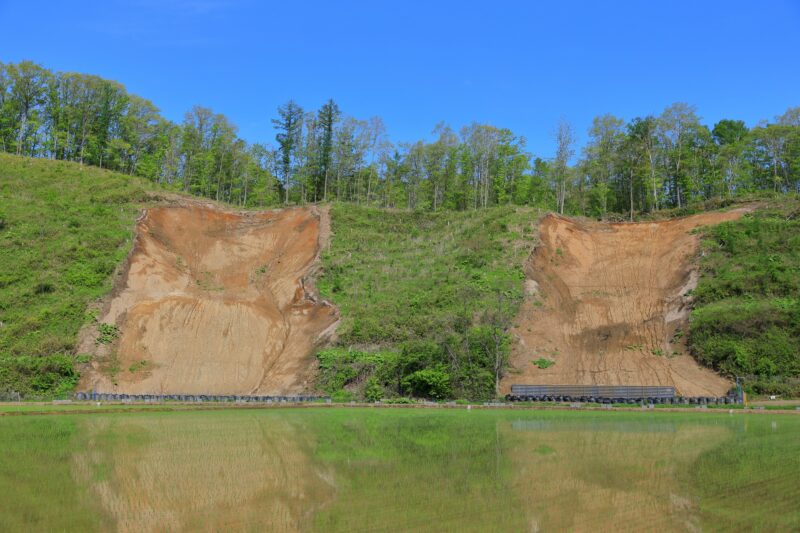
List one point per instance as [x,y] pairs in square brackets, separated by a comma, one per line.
[215,302]
[608,304]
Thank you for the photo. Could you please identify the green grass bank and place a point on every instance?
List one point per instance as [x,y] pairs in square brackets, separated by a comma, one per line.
[746,320]
[426,299]
[64,229]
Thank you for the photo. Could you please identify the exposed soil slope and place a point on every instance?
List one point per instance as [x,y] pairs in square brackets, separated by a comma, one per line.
[608,304]
[216,302]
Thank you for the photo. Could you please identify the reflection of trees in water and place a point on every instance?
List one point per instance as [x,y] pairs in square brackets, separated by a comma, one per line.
[416,470]
[606,477]
[202,471]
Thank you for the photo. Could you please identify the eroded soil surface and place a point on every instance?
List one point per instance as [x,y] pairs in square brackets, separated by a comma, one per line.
[215,302]
[608,304]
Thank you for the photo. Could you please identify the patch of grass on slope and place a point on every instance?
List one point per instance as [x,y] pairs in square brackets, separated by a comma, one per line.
[747,314]
[426,299]
[64,230]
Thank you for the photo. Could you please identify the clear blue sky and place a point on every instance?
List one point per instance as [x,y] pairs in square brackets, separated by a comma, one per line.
[512,64]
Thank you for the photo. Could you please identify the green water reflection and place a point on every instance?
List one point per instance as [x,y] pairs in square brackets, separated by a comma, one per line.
[409,470]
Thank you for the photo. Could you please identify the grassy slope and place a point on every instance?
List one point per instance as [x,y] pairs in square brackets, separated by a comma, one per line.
[421,295]
[747,313]
[64,230]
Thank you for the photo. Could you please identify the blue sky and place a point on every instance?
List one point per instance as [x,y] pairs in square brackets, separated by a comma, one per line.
[520,65]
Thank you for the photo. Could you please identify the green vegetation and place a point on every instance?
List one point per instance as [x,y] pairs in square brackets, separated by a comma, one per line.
[107,333]
[543,363]
[432,289]
[644,165]
[65,230]
[426,299]
[138,366]
[400,469]
[746,320]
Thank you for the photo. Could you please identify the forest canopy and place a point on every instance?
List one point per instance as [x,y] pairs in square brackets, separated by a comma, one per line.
[637,166]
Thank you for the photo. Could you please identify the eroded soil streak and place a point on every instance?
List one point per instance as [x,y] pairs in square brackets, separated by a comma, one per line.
[216,302]
[608,304]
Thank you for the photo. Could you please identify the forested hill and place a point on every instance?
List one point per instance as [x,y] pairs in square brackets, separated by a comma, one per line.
[641,165]
[426,298]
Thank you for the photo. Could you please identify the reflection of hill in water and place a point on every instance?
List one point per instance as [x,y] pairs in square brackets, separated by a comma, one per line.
[607,475]
[596,425]
[202,471]
[366,470]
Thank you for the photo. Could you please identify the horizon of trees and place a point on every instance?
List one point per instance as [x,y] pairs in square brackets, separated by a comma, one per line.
[642,165]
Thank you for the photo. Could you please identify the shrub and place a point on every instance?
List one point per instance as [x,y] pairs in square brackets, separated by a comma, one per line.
[428,383]
[108,333]
[373,392]
[27,375]
[543,363]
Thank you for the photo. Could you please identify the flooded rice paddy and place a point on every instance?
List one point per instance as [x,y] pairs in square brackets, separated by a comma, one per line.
[399,470]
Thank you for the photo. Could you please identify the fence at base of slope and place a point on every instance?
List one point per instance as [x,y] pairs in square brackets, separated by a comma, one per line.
[612,394]
[195,398]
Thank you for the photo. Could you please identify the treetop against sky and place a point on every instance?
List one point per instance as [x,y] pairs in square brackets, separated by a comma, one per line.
[512,64]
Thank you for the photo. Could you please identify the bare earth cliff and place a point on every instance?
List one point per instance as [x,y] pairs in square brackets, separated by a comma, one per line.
[608,304]
[216,302]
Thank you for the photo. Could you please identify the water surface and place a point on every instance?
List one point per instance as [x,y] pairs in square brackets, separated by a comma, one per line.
[400,470]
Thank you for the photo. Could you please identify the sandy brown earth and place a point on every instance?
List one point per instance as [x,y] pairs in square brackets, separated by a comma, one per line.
[215,302]
[609,304]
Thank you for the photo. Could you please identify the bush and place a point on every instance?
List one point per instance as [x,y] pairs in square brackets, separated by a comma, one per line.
[342,368]
[428,383]
[373,392]
[108,333]
[54,374]
[543,363]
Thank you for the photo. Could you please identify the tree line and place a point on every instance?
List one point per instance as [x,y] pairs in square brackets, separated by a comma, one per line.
[642,165]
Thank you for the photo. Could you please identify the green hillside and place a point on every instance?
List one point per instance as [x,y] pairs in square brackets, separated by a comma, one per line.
[746,320]
[64,228]
[426,299]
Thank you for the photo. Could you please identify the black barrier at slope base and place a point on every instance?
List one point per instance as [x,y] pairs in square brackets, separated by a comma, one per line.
[610,394]
[598,391]
[217,398]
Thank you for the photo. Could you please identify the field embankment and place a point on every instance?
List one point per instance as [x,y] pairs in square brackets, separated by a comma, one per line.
[214,302]
[609,304]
